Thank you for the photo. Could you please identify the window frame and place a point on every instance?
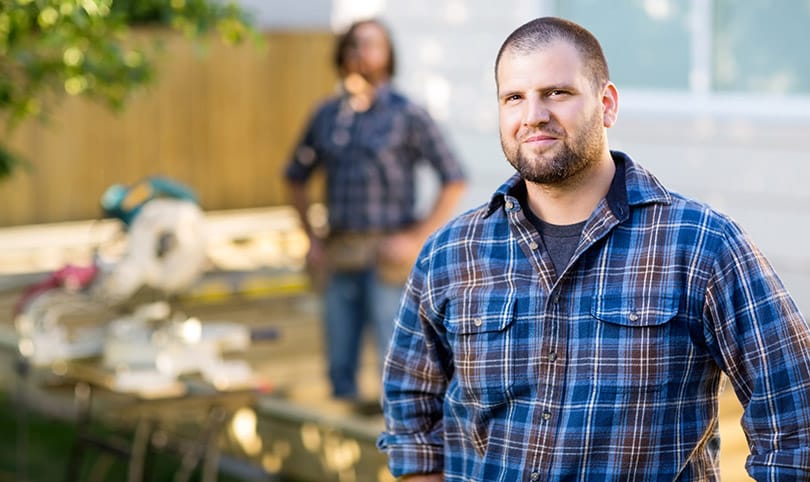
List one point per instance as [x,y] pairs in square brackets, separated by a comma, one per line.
[700,98]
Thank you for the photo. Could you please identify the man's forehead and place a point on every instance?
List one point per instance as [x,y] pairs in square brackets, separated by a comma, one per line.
[554,47]
[557,58]
[369,30]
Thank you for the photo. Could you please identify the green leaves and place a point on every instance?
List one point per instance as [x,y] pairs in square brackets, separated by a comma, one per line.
[9,162]
[53,48]
[193,17]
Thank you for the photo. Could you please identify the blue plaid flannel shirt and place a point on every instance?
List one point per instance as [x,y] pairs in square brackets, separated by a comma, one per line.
[501,371]
[370,160]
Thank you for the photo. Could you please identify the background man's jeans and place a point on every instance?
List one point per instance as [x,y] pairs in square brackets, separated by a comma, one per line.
[355,301]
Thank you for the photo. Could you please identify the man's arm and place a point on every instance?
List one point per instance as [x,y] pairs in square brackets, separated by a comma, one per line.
[428,143]
[299,197]
[414,383]
[403,247]
[443,208]
[764,348]
[305,160]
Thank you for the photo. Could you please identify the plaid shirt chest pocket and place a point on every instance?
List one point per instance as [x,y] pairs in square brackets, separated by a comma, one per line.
[631,343]
[479,328]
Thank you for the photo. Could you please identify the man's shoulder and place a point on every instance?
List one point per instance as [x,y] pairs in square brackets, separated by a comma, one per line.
[465,224]
[327,104]
[397,97]
[687,219]
[446,244]
[480,220]
[645,190]
[701,214]
[401,102]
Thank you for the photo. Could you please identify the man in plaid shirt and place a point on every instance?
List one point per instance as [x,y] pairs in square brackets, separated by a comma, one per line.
[368,140]
[576,327]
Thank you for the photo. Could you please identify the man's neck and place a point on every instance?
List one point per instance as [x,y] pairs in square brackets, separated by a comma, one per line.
[361,92]
[574,202]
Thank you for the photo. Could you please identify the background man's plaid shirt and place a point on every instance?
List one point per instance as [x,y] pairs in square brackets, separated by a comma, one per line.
[500,371]
[370,158]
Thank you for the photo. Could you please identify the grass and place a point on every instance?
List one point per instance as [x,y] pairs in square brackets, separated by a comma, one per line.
[32,448]
[36,448]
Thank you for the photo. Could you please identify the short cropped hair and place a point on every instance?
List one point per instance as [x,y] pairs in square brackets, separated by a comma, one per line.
[543,31]
[344,42]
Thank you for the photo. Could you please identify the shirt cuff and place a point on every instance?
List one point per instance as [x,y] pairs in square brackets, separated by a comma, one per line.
[407,454]
[780,465]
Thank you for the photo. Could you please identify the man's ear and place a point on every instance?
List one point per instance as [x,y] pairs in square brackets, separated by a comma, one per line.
[610,104]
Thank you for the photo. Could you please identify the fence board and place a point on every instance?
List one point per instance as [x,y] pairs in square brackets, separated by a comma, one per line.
[223,121]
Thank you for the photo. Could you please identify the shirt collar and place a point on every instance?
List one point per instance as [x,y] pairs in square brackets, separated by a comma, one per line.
[632,185]
[382,95]
[383,91]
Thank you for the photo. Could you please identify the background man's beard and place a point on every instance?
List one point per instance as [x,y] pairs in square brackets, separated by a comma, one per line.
[373,76]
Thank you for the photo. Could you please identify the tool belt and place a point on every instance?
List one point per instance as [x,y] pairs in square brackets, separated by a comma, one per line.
[356,251]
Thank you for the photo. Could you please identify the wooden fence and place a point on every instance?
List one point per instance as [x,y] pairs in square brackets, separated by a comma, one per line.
[223,120]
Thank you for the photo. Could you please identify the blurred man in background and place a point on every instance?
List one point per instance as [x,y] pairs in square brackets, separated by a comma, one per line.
[369,140]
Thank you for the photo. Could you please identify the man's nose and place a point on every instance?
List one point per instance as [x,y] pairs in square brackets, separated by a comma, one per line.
[536,113]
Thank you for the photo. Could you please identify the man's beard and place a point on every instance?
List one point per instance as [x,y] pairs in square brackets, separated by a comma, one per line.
[574,155]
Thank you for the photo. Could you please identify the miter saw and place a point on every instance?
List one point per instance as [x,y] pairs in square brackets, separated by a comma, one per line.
[120,309]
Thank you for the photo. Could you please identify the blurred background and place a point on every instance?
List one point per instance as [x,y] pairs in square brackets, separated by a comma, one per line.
[714,99]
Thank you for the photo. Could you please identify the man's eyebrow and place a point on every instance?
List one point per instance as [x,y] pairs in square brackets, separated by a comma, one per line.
[568,87]
[508,93]
[560,86]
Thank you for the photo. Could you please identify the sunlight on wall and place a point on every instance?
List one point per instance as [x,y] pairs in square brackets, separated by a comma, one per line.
[658,9]
[431,53]
[345,12]
[437,95]
[435,87]
[455,12]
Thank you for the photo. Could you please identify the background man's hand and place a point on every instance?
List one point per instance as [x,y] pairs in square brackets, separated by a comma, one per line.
[317,263]
[402,247]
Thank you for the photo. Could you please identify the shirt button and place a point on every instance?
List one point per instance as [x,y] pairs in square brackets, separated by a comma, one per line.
[546,415]
[534,477]
[533,245]
[478,322]
[509,205]
[552,357]
[633,316]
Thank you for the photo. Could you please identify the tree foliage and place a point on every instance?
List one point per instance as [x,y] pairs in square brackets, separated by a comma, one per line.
[52,48]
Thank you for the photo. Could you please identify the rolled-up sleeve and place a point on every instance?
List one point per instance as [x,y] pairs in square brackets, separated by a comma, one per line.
[305,157]
[414,383]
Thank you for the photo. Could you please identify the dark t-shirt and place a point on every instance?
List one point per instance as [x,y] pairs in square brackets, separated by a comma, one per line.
[560,241]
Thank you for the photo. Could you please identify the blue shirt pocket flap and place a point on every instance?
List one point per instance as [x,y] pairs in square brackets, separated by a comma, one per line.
[635,312]
[480,315]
